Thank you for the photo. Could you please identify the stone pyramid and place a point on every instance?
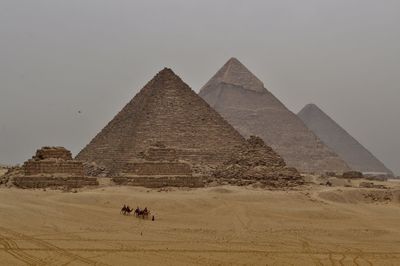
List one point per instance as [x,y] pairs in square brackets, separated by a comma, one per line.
[340,141]
[241,98]
[168,123]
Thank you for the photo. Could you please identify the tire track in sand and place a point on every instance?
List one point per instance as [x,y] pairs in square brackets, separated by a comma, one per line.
[11,248]
[30,260]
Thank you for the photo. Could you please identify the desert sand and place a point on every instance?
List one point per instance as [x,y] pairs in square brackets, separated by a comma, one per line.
[225,225]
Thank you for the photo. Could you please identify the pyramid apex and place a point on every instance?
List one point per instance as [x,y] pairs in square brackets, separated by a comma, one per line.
[235,73]
[166,72]
[233,60]
[311,107]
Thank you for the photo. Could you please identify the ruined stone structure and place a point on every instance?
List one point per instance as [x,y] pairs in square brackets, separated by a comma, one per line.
[241,98]
[256,162]
[53,166]
[163,134]
[341,142]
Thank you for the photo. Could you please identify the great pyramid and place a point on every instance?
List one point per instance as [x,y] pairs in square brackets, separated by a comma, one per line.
[340,141]
[166,129]
[241,98]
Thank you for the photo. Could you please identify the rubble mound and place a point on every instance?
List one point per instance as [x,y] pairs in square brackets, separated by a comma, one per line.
[9,175]
[365,195]
[256,162]
[93,169]
[372,185]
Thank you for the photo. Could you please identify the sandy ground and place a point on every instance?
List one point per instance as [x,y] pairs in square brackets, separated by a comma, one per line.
[210,226]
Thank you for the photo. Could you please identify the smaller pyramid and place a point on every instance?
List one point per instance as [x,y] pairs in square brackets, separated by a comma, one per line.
[52,167]
[340,141]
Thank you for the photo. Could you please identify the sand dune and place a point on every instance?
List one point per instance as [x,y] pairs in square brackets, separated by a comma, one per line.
[211,226]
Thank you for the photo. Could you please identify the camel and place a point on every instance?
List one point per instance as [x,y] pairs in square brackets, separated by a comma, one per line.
[142,213]
[126,210]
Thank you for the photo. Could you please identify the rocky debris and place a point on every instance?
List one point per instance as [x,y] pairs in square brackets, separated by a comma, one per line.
[335,182]
[379,196]
[242,99]
[352,175]
[376,177]
[92,169]
[371,185]
[256,162]
[8,177]
[330,174]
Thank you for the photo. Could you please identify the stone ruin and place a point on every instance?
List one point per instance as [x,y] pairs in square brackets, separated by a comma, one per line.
[53,160]
[53,167]
[257,163]
[169,136]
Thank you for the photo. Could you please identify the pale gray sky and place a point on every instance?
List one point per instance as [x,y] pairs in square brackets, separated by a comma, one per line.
[59,57]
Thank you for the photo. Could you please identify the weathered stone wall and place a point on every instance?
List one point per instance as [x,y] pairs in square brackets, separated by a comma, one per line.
[157,168]
[53,166]
[42,182]
[161,181]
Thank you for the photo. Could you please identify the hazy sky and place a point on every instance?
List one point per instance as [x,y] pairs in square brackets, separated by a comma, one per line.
[61,57]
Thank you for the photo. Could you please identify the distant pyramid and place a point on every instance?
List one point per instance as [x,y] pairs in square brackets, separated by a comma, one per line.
[166,122]
[335,137]
[241,98]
